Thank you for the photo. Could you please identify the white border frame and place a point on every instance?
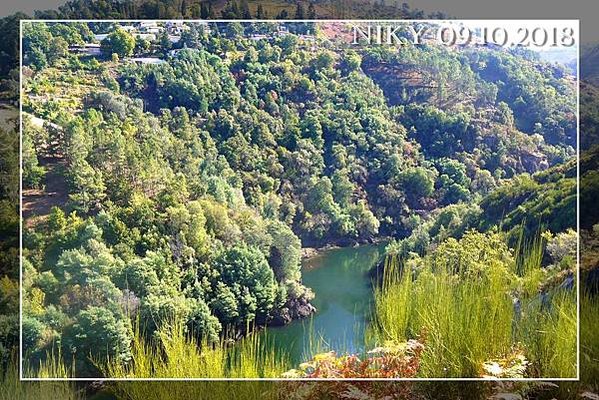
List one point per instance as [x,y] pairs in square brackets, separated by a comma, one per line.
[575,23]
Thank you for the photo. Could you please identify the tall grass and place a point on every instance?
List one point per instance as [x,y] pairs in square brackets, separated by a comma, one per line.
[460,300]
[589,339]
[549,338]
[256,357]
[463,323]
[174,353]
[199,390]
[12,388]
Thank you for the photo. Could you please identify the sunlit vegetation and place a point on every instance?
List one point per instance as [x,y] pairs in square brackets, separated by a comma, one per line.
[524,205]
[482,308]
[173,353]
[389,361]
[217,390]
[589,354]
[183,189]
[84,74]
[12,388]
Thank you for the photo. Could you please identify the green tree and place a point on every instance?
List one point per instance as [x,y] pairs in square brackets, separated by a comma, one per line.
[352,61]
[203,323]
[285,252]
[58,49]
[225,304]
[97,332]
[118,42]
[417,182]
[248,279]
[300,13]
[260,12]
[311,11]
[33,173]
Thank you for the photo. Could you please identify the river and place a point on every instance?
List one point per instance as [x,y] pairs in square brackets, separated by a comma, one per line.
[343,299]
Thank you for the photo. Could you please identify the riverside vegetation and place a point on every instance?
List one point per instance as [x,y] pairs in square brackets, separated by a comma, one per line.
[179,194]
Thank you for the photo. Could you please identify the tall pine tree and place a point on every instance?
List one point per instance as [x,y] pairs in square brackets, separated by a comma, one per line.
[299,11]
[311,11]
[260,13]
[245,10]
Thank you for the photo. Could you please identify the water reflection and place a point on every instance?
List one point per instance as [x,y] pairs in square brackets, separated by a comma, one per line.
[342,285]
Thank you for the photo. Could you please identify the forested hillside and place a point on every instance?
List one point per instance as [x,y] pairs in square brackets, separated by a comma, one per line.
[232,9]
[194,181]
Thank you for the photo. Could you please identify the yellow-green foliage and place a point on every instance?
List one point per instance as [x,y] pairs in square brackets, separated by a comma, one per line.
[551,340]
[198,390]
[52,366]
[589,339]
[176,354]
[255,357]
[12,388]
[459,300]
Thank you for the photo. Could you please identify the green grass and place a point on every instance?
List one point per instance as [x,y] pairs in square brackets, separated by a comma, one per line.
[550,338]
[463,324]
[177,354]
[459,301]
[209,390]
[589,339]
[12,388]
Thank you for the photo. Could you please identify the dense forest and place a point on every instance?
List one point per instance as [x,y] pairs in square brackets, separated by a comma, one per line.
[184,188]
[232,9]
[9,225]
[9,218]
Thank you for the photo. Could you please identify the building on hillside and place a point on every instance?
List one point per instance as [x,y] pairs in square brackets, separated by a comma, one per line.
[174,52]
[128,28]
[145,60]
[176,27]
[154,30]
[174,24]
[258,36]
[87,49]
[144,26]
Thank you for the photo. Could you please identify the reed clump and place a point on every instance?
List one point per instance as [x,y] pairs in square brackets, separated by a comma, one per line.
[477,300]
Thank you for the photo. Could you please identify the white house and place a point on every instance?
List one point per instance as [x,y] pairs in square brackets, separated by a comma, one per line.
[154,30]
[88,49]
[144,26]
[146,60]
[257,37]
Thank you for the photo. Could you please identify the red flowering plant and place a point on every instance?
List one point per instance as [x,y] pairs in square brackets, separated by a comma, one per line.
[389,361]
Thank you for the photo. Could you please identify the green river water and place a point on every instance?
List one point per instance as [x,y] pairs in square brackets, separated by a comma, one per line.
[343,299]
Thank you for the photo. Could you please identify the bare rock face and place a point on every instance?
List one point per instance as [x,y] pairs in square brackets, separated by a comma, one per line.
[295,309]
[282,317]
[308,252]
[301,308]
[532,161]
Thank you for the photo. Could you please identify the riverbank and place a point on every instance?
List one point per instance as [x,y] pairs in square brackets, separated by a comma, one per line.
[310,252]
[343,295]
